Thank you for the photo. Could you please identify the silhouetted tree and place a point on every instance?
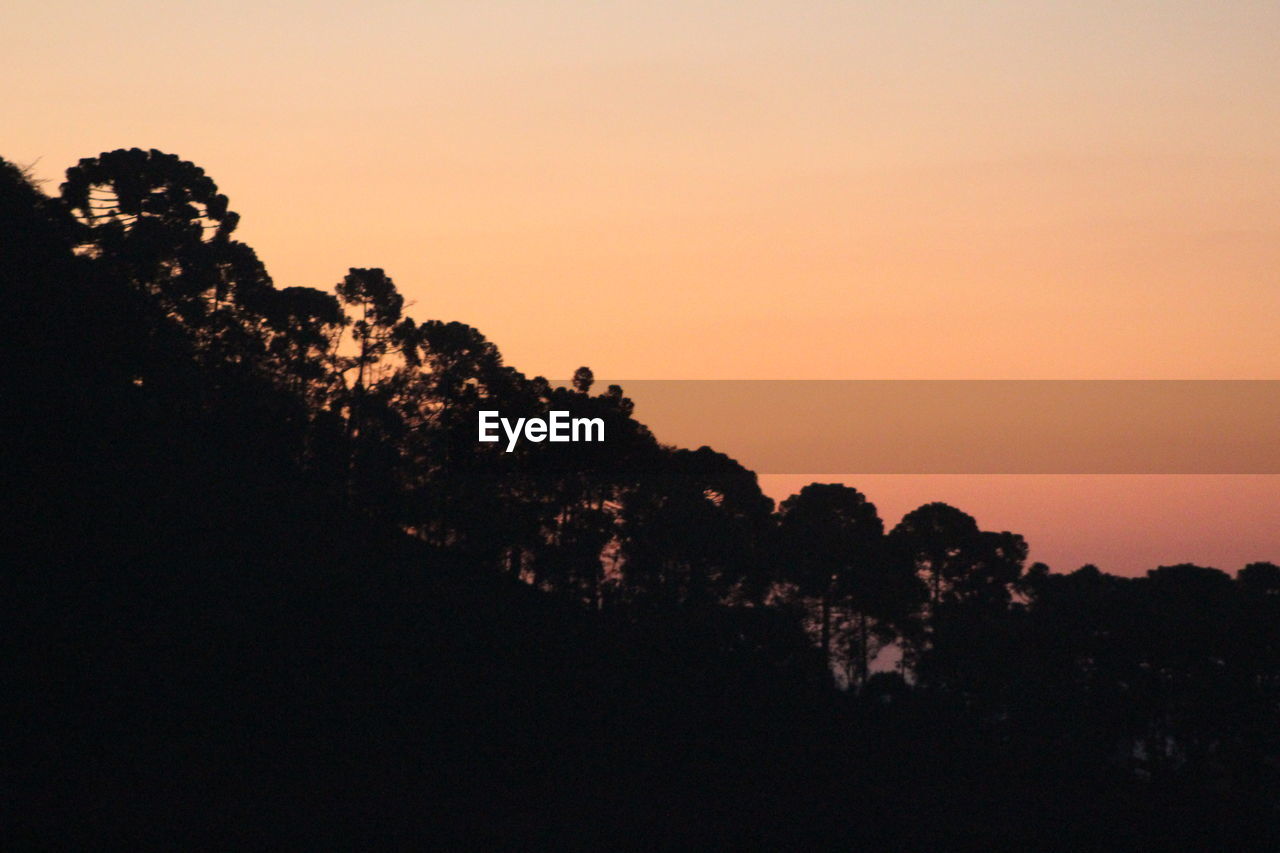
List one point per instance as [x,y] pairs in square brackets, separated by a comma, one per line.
[691,529]
[972,577]
[237,577]
[831,550]
[376,304]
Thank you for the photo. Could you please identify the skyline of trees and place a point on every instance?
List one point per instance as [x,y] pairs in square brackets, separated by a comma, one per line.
[181,413]
[632,522]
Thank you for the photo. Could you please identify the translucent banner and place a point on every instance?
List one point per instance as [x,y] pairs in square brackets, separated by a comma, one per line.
[971,426]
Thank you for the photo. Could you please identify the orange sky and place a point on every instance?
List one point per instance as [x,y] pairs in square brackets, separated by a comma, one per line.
[730,189]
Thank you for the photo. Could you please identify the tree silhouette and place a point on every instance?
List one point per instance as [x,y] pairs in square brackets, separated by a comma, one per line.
[376,304]
[583,379]
[262,582]
[160,222]
[830,539]
[688,528]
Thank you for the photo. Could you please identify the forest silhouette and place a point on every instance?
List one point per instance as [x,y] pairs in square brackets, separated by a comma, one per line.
[263,586]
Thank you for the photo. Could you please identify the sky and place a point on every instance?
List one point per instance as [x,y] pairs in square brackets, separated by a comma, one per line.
[745,190]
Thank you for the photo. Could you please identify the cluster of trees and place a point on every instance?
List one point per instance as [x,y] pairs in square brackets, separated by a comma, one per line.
[182,409]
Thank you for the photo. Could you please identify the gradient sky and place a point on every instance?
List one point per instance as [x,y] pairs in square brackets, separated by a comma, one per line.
[733,189]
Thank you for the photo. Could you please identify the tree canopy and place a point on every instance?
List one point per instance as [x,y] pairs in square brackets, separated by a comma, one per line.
[252,531]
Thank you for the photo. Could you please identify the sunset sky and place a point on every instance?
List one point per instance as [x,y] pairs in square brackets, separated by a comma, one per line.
[748,190]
